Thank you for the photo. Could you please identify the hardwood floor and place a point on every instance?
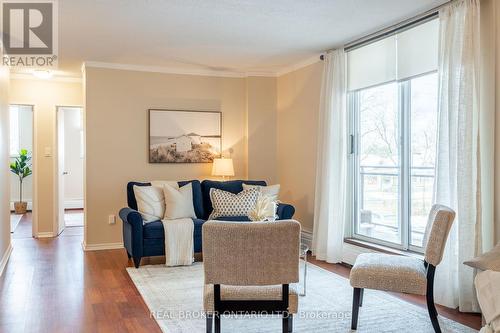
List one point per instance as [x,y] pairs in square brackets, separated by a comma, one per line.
[51,285]
[469,319]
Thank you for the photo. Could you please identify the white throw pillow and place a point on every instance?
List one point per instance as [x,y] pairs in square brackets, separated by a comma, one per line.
[230,204]
[272,191]
[161,183]
[178,202]
[150,202]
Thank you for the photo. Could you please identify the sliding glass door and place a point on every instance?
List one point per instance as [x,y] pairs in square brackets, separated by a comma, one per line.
[393,127]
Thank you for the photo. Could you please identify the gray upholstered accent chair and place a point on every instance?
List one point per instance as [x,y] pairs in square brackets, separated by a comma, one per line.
[249,268]
[402,273]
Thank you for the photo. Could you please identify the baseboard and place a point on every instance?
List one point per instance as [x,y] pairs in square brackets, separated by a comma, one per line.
[5,259]
[73,204]
[350,252]
[103,246]
[30,205]
[47,234]
[306,238]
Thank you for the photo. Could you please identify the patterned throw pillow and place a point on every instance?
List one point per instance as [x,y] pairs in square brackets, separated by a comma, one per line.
[230,204]
[271,191]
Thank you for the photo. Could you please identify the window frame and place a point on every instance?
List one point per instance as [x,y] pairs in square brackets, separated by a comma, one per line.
[404,197]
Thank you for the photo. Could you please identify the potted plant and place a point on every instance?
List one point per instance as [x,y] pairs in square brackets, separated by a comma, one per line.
[21,167]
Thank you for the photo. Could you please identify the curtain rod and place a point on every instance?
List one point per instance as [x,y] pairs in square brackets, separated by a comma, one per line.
[404,25]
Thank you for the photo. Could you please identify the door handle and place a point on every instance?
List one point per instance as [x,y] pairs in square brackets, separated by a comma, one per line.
[65,173]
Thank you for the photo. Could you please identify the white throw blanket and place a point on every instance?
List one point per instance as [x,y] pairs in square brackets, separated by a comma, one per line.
[179,244]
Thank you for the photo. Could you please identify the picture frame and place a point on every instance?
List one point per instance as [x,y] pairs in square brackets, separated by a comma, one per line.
[184,136]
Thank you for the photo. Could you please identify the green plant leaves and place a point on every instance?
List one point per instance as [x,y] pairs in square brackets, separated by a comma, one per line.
[21,165]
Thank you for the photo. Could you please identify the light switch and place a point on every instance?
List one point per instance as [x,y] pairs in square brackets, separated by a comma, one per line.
[48,151]
[111,219]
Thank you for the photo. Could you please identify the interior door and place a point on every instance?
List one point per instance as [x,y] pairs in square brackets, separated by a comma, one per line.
[60,170]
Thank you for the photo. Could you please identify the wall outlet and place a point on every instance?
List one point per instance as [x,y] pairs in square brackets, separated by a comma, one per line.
[111,219]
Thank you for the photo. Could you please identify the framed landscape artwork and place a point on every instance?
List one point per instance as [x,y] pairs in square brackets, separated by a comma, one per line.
[179,136]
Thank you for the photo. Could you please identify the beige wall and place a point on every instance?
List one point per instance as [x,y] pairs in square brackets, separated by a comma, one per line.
[45,96]
[116,104]
[4,161]
[262,134]
[298,106]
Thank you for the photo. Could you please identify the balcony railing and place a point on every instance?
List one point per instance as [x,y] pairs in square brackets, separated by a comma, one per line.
[379,201]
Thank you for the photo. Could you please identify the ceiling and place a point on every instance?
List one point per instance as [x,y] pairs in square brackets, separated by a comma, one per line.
[244,36]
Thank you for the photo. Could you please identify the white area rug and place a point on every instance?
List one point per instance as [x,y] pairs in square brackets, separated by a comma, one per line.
[174,297]
[14,221]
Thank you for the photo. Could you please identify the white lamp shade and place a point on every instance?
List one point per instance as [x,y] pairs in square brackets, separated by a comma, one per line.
[223,167]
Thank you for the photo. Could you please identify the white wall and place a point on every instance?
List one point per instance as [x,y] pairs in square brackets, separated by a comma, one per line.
[25,142]
[73,160]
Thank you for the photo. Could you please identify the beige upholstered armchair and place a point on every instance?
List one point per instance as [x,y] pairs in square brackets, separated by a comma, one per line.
[401,273]
[248,269]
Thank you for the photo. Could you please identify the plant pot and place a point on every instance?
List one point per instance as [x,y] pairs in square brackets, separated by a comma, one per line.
[20,207]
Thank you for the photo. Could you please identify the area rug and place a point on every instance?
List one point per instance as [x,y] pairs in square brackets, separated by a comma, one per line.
[174,298]
[14,221]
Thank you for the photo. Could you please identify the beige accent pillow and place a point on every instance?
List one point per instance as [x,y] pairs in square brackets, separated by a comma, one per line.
[487,261]
[178,202]
[272,191]
[150,202]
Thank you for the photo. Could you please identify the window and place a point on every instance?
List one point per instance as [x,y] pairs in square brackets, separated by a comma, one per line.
[393,115]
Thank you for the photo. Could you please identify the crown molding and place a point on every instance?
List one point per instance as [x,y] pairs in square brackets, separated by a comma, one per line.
[55,78]
[301,64]
[198,71]
[174,70]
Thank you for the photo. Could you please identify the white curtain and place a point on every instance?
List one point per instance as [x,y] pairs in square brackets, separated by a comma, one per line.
[458,157]
[330,199]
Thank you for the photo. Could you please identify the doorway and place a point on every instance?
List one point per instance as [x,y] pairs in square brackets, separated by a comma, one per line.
[21,159]
[70,165]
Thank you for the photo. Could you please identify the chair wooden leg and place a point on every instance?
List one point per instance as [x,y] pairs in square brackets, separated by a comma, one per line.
[217,323]
[361,294]
[209,323]
[433,314]
[431,308]
[355,307]
[285,322]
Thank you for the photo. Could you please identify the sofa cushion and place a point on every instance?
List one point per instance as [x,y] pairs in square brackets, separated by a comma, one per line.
[233,186]
[197,195]
[154,230]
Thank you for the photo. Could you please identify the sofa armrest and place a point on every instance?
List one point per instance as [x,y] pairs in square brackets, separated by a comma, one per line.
[285,211]
[132,231]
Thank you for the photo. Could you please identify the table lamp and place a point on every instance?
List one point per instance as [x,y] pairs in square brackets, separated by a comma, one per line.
[223,167]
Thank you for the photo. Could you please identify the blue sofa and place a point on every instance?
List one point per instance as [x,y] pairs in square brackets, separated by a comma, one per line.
[147,240]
